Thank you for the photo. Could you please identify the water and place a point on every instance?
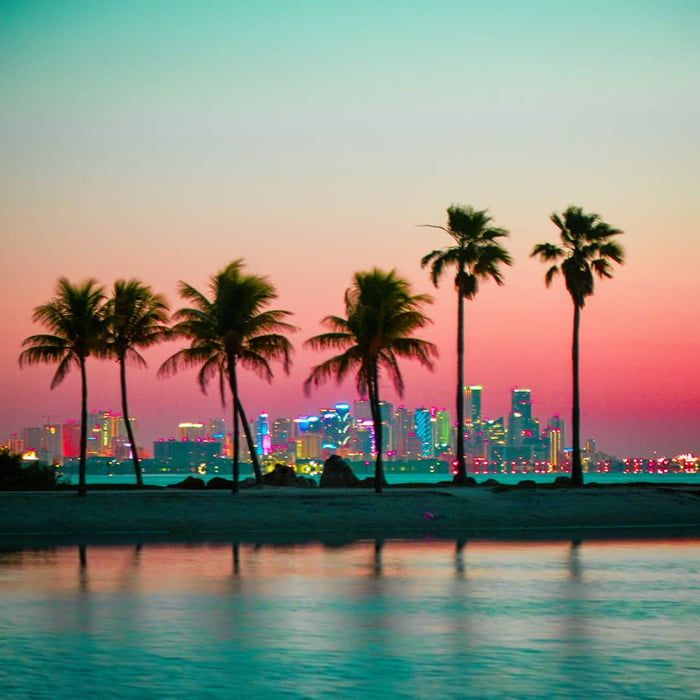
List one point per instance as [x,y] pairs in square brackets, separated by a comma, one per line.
[616,478]
[393,620]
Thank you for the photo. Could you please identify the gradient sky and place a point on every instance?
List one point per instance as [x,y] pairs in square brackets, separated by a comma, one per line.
[162,140]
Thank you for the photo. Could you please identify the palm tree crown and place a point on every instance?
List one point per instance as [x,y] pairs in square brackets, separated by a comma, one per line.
[476,253]
[233,326]
[381,315]
[75,317]
[136,319]
[585,249]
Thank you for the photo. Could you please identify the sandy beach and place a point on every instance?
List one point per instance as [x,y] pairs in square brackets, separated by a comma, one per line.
[291,514]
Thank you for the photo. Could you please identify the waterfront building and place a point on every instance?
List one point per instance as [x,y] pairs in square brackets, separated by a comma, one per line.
[472,403]
[262,433]
[424,431]
[191,431]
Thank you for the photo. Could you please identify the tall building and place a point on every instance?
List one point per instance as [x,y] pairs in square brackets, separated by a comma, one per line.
[403,427]
[424,431]
[556,421]
[262,433]
[31,439]
[521,402]
[472,403]
[71,439]
[361,410]
[51,448]
[217,428]
[443,431]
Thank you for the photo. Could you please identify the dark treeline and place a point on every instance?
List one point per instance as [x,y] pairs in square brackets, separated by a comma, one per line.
[233,327]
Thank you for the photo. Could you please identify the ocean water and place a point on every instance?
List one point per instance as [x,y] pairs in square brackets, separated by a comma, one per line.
[405,478]
[393,619]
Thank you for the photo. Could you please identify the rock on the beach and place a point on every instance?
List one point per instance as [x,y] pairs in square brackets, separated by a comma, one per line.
[191,482]
[337,473]
[218,482]
[280,475]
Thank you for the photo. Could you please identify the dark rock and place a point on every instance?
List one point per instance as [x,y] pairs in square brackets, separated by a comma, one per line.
[192,483]
[468,481]
[281,475]
[305,482]
[490,482]
[218,482]
[563,482]
[247,483]
[526,484]
[337,473]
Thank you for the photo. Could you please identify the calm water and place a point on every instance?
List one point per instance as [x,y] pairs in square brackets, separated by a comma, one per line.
[372,619]
[165,479]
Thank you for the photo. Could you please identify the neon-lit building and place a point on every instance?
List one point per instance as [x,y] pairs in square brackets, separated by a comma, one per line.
[191,431]
[262,433]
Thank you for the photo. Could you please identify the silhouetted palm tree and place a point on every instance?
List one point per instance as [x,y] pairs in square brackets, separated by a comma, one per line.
[75,317]
[586,247]
[136,319]
[381,315]
[476,254]
[232,328]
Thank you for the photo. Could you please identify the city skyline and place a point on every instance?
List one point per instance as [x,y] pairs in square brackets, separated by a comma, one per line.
[314,141]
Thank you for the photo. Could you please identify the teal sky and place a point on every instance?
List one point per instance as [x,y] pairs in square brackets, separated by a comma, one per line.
[163,139]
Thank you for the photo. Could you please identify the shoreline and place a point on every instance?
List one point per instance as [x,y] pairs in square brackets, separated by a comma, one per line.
[295,515]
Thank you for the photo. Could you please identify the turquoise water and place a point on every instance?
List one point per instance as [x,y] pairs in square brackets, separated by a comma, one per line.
[165,479]
[393,620]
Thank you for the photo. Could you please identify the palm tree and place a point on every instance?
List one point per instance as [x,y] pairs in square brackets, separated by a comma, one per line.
[476,255]
[136,319]
[586,247]
[381,315]
[232,328]
[75,319]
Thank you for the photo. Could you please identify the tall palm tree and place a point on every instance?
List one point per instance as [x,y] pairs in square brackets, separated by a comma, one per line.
[136,319]
[586,247]
[75,319]
[231,328]
[381,315]
[476,254]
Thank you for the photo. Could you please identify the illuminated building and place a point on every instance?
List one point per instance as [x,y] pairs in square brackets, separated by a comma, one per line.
[15,443]
[472,403]
[336,425]
[496,436]
[558,423]
[217,428]
[361,410]
[554,446]
[71,439]
[424,431]
[403,427]
[191,431]
[51,447]
[186,454]
[309,446]
[262,432]
[521,402]
[443,431]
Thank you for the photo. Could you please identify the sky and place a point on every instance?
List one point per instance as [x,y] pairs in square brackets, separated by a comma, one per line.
[162,140]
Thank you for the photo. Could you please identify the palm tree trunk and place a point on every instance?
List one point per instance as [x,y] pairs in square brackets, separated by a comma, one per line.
[127,423]
[251,445]
[461,475]
[377,419]
[233,383]
[82,489]
[576,469]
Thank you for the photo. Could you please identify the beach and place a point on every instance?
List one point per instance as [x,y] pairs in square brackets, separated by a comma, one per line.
[295,514]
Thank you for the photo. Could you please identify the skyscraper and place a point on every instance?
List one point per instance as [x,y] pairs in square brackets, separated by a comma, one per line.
[424,431]
[262,433]
[472,403]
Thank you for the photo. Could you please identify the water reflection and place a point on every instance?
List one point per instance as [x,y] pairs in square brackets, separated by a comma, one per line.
[391,618]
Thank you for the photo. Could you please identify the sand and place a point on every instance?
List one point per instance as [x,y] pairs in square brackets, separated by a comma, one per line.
[291,514]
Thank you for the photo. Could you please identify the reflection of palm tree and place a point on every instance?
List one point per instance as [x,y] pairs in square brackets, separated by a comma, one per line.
[575,560]
[459,558]
[83,569]
[75,318]
[585,248]
[232,328]
[136,319]
[378,561]
[476,254]
[236,559]
[381,316]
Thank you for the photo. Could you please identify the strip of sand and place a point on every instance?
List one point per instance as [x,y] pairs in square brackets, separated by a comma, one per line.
[292,514]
